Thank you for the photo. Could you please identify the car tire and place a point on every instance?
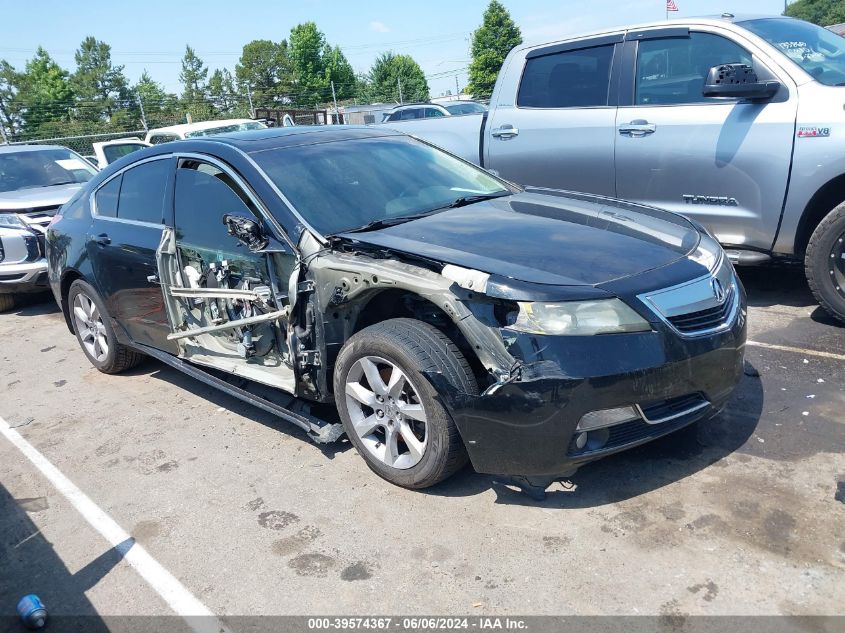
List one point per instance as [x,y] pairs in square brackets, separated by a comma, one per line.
[7,302]
[824,264]
[417,350]
[99,343]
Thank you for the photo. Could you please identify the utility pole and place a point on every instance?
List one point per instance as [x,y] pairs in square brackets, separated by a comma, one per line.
[143,114]
[457,90]
[249,98]
[334,98]
[399,81]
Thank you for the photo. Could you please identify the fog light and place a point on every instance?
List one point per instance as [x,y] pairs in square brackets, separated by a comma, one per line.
[606,417]
[580,441]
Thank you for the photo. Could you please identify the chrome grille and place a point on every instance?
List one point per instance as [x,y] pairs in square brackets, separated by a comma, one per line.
[705,305]
[704,320]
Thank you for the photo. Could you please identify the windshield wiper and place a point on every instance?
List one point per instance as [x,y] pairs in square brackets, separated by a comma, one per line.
[466,200]
[375,225]
[53,184]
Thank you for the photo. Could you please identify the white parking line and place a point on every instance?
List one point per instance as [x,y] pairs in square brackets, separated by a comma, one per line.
[796,350]
[174,593]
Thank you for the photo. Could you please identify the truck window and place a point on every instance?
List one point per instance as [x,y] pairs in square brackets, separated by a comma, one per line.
[571,79]
[673,70]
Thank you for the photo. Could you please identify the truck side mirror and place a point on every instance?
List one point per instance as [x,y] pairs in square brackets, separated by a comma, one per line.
[738,81]
[247,231]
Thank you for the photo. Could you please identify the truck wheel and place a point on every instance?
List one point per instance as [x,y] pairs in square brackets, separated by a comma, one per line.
[7,302]
[391,412]
[94,331]
[824,262]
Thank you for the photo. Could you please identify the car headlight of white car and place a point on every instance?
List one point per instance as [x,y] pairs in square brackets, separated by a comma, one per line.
[578,318]
[12,220]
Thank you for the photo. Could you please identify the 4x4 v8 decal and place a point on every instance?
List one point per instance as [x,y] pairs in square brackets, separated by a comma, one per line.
[717,200]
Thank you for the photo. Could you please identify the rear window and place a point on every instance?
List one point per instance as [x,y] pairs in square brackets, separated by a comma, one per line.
[570,79]
[113,152]
[142,192]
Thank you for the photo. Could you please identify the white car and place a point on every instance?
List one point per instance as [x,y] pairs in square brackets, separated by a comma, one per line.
[107,152]
[204,128]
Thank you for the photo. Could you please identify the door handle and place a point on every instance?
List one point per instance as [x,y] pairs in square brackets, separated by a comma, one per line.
[506,131]
[637,128]
[102,239]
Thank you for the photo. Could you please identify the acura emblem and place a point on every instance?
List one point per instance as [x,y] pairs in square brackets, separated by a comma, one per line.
[718,290]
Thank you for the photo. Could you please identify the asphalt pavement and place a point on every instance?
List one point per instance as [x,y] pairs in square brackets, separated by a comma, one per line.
[741,515]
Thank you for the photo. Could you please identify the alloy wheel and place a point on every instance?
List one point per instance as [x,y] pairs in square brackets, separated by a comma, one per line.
[90,326]
[386,412]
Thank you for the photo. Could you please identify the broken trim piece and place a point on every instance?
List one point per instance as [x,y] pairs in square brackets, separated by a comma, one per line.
[261,318]
[215,293]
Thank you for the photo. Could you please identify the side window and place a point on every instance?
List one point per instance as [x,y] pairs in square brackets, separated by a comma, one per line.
[410,113]
[106,198]
[204,194]
[163,138]
[673,70]
[570,79]
[142,192]
[432,113]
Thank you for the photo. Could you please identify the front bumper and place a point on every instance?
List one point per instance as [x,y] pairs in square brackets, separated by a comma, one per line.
[24,277]
[528,427]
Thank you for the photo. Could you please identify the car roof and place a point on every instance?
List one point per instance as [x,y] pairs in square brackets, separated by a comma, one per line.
[280,137]
[9,149]
[200,125]
[712,20]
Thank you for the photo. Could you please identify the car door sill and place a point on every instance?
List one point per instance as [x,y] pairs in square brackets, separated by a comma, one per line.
[321,431]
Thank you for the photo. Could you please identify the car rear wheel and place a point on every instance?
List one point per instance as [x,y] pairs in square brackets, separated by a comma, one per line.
[825,262]
[94,332]
[390,410]
[7,302]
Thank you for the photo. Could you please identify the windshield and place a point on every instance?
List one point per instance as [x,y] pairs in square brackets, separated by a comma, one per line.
[42,168]
[466,108]
[113,152]
[343,185]
[223,129]
[818,51]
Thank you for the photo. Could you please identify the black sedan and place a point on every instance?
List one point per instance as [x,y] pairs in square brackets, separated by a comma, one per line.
[439,313]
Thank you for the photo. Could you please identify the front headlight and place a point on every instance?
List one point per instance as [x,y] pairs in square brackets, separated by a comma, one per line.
[12,220]
[578,318]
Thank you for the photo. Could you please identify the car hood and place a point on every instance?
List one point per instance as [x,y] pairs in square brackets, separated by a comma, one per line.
[545,237]
[37,197]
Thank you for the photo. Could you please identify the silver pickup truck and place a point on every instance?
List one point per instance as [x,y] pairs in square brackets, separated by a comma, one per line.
[736,122]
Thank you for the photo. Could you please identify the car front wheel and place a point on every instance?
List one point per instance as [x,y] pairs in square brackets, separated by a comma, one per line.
[390,410]
[94,332]
[825,262]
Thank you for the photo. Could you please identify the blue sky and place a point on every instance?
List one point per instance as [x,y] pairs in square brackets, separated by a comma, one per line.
[152,34]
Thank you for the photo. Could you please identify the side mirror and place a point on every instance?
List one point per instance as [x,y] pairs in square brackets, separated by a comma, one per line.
[247,231]
[738,81]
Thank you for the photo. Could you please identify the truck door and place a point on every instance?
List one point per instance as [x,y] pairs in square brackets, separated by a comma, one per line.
[723,162]
[554,127]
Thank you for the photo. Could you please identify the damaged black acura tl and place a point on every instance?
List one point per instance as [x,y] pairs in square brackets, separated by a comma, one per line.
[438,312]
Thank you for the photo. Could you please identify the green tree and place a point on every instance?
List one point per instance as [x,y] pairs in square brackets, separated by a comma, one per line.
[491,43]
[389,71]
[45,91]
[160,108]
[307,43]
[99,86]
[340,71]
[821,12]
[224,96]
[265,69]
[10,106]
[193,77]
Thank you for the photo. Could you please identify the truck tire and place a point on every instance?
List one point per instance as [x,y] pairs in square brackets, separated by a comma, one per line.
[7,302]
[824,262]
[392,414]
[93,329]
